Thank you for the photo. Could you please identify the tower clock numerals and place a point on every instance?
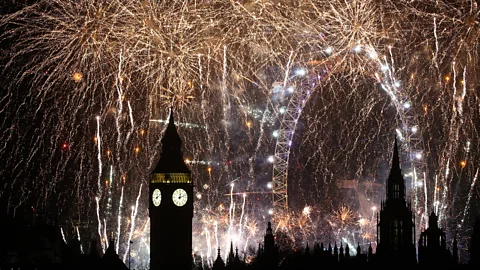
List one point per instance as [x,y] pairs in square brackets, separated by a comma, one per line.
[179,197]
[156,197]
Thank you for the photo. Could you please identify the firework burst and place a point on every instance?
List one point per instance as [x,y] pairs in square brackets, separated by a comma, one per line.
[94,79]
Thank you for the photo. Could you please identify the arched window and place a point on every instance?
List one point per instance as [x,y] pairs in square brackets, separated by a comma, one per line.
[396,191]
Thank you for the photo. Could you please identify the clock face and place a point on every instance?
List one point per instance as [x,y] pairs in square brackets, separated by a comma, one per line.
[156,197]
[180,197]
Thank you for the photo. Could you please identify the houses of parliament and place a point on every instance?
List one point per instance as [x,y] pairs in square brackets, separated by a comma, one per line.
[171,212]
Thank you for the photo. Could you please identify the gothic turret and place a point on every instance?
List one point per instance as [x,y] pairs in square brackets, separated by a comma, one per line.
[335,252]
[218,264]
[231,256]
[171,159]
[111,260]
[395,182]
[270,252]
[342,255]
[396,227]
[432,248]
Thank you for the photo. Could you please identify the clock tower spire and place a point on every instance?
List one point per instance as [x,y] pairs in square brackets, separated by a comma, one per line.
[171,206]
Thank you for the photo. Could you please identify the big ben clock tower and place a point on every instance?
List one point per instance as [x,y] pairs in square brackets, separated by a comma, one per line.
[171,206]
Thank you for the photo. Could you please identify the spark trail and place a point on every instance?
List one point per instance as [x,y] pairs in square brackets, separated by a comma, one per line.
[125,61]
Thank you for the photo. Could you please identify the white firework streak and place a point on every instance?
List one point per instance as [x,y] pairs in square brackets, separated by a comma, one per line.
[79,239]
[130,114]
[118,86]
[469,196]
[230,217]
[240,229]
[105,237]
[99,157]
[132,222]
[226,106]
[216,234]
[209,246]
[119,220]
[99,224]
[63,235]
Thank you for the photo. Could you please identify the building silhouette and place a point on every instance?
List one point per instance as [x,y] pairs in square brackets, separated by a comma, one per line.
[171,212]
[432,246]
[42,246]
[475,245]
[171,206]
[219,264]
[395,225]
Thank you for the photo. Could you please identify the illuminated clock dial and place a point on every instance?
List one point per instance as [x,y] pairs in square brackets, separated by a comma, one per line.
[180,197]
[156,197]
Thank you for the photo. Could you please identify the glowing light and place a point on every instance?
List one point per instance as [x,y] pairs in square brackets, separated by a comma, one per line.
[374,208]
[269,185]
[463,163]
[77,76]
[271,159]
[418,155]
[301,72]
[307,210]
[275,133]
[227,58]
[270,211]
[361,221]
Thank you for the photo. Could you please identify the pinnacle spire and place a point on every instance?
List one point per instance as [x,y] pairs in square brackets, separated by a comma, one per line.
[171,120]
[171,159]
[395,183]
[395,158]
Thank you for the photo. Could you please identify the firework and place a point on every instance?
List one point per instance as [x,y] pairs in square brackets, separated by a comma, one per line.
[304,92]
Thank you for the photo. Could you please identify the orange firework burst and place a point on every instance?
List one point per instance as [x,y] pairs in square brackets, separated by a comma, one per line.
[77,76]
[343,216]
[181,97]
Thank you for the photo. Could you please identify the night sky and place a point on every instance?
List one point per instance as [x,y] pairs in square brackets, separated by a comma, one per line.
[319,87]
